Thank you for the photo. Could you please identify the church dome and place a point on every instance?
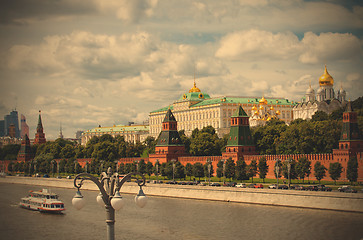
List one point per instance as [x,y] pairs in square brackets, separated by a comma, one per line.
[263,101]
[341,91]
[194,88]
[326,79]
[310,91]
[320,91]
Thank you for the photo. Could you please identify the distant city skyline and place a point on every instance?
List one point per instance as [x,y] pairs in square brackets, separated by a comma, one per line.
[94,63]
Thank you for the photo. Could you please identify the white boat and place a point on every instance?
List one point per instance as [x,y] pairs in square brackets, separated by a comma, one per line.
[43,201]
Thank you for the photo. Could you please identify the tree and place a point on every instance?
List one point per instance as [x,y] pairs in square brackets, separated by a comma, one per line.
[262,168]
[230,168]
[319,171]
[206,172]
[335,171]
[189,170]
[303,168]
[320,116]
[285,170]
[150,144]
[352,169]
[241,170]
[220,169]
[179,170]
[198,170]
[141,166]
[252,169]
[149,168]
[185,140]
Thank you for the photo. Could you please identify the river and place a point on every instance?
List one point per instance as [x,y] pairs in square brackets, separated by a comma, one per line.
[168,218]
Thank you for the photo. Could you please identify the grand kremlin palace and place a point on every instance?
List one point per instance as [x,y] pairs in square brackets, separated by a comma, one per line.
[196,109]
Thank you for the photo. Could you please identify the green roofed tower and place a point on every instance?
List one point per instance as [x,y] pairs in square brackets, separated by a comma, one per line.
[169,144]
[240,140]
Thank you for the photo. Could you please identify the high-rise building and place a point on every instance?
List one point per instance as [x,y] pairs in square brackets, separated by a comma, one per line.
[24,127]
[12,118]
[2,128]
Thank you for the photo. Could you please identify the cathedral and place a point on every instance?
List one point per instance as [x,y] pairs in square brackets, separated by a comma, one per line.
[324,100]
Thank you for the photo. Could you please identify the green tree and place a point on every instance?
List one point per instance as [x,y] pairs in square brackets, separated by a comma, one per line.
[185,140]
[67,151]
[220,169]
[230,169]
[149,168]
[206,172]
[262,168]
[285,170]
[141,166]
[198,170]
[319,171]
[303,168]
[179,170]
[189,170]
[150,144]
[352,169]
[241,170]
[335,171]
[320,116]
[252,169]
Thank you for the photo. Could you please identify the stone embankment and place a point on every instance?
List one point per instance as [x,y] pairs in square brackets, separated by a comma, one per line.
[352,202]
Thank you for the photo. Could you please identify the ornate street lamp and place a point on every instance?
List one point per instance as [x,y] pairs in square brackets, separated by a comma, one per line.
[277,170]
[157,170]
[109,197]
[289,161]
[173,161]
[209,161]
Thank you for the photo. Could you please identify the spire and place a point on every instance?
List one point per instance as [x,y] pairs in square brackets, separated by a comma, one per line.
[40,125]
[240,112]
[60,132]
[169,117]
[349,106]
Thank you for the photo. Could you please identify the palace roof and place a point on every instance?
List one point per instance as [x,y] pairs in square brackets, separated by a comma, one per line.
[118,128]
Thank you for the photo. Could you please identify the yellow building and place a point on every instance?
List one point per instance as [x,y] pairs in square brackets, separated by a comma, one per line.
[196,109]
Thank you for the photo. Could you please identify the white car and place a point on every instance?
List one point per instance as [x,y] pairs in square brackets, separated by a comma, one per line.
[241,185]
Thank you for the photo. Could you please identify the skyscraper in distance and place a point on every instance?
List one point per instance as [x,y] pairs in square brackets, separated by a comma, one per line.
[23,126]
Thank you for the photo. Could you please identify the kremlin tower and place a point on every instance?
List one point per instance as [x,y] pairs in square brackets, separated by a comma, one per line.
[39,135]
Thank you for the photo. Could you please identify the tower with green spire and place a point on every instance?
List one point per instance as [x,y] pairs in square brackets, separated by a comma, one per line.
[39,135]
[25,153]
[240,140]
[169,145]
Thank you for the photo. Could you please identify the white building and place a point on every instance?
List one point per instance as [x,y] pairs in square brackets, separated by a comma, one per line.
[324,100]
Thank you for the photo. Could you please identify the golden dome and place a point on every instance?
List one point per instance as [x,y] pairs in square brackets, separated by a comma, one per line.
[263,101]
[256,113]
[194,89]
[326,79]
[254,108]
[261,107]
[271,108]
[278,112]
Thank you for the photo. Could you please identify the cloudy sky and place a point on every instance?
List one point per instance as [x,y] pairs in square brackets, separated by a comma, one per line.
[105,62]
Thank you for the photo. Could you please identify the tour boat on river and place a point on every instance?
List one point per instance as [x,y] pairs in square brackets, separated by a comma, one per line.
[43,201]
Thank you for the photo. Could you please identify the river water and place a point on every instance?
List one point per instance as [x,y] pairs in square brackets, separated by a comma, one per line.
[168,218]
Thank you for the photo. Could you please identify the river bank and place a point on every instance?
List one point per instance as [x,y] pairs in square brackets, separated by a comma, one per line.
[352,202]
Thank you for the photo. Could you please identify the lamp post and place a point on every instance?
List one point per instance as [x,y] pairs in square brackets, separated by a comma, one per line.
[157,170]
[224,171]
[209,161]
[109,197]
[277,169]
[289,161]
[53,162]
[173,161]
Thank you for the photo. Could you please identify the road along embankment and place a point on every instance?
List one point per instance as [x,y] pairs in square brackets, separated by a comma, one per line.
[352,202]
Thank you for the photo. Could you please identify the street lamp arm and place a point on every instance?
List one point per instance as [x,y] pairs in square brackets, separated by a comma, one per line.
[129,177]
[86,176]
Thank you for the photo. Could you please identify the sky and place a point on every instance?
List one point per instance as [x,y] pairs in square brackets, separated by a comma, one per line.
[97,62]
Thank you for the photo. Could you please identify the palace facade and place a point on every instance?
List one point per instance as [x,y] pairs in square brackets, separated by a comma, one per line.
[196,109]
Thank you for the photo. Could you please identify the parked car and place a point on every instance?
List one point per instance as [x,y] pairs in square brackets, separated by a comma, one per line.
[69,177]
[59,177]
[272,186]
[45,176]
[324,188]
[251,185]
[299,187]
[258,186]
[347,189]
[312,188]
[283,187]
[215,184]
[229,184]
[241,185]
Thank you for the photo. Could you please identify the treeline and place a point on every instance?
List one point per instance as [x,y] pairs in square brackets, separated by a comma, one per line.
[321,134]
[228,169]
